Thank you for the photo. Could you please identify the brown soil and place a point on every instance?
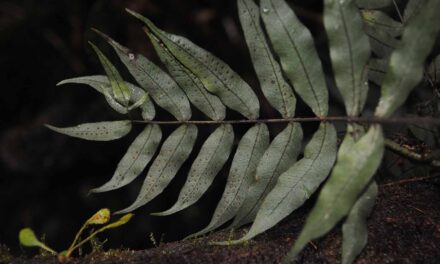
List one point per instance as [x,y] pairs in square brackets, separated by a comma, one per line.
[404,228]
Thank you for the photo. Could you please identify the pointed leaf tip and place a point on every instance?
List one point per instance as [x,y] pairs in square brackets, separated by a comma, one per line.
[100,131]
[134,161]
[173,153]
[119,88]
[159,85]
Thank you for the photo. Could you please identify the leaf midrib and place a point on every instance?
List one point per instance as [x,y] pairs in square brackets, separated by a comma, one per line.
[305,173]
[208,68]
[270,178]
[309,81]
[266,49]
[169,159]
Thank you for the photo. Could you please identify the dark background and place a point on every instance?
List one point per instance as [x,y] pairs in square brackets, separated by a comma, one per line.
[44,176]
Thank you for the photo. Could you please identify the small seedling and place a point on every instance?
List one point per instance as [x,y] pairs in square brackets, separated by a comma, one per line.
[28,238]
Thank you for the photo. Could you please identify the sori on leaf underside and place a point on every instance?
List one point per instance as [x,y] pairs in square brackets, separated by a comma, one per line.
[267,181]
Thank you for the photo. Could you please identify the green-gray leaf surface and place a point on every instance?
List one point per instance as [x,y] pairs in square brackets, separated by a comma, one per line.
[373,4]
[208,103]
[407,61]
[356,164]
[102,84]
[135,159]
[278,157]
[293,43]
[249,152]
[412,8]
[99,131]
[382,43]
[173,153]
[300,181]
[349,52]
[354,230]
[211,158]
[216,76]
[162,88]
[275,88]
[120,90]
[377,68]
[382,21]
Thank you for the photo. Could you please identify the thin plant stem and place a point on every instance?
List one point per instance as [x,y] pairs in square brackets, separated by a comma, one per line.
[398,12]
[69,252]
[45,247]
[346,119]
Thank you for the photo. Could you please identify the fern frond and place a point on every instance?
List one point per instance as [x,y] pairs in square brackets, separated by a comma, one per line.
[210,160]
[136,158]
[173,153]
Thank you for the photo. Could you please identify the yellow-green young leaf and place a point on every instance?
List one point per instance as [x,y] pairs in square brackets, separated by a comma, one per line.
[175,150]
[354,230]
[373,4]
[122,221]
[120,90]
[211,158]
[377,68]
[99,131]
[100,217]
[381,21]
[28,239]
[356,164]
[407,61]
[275,88]
[217,77]
[159,85]
[138,103]
[349,52]
[295,47]
[208,103]
[278,157]
[135,159]
[102,84]
[300,181]
[249,152]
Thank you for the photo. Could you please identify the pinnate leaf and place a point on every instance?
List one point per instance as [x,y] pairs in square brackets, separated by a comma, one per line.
[175,150]
[216,76]
[135,159]
[120,90]
[211,158]
[159,85]
[349,52]
[357,161]
[278,157]
[206,102]
[102,84]
[300,181]
[275,88]
[249,152]
[407,61]
[354,230]
[294,45]
[99,131]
